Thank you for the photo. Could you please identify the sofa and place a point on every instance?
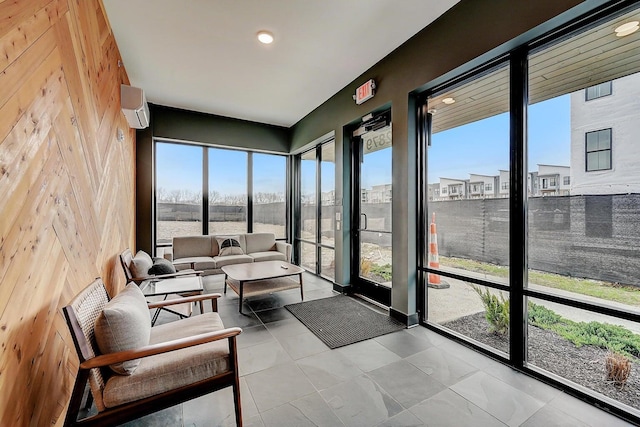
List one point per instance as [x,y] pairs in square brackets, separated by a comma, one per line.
[203,252]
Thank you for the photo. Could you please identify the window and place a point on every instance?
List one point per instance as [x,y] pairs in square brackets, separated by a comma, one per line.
[598,150]
[598,91]
[545,183]
[504,186]
[566,180]
[488,187]
[454,190]
[227,191]
[552,182]
[444,190]
[269,190]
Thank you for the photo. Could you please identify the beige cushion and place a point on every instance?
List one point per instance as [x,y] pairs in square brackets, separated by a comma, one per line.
[198,262]
[192,246]
[140,264]
[229,245]
[163,372]
[221,261]
[260,242]
[124,324]
[268,256]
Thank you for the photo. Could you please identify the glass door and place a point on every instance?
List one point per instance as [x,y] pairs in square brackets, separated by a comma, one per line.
[371,220]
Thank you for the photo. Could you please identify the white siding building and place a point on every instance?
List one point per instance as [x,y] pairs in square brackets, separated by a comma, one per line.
[503,182]
[552,180]
[453,189]
[605,127]
[482,186]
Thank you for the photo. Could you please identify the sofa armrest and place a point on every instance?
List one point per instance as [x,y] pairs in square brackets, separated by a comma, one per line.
[167,253]
[284,248]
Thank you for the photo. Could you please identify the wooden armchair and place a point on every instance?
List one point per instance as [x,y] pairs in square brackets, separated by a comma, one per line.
[183,360]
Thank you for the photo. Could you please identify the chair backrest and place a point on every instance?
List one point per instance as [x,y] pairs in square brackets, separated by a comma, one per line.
[125,260]
[81,315]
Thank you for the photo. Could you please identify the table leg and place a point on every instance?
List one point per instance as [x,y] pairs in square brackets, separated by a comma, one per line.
[301,291]
[201,307]
[241,292]
[225,283]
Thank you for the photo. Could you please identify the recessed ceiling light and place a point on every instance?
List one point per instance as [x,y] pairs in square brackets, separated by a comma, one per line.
[627,28]
[265,37]
[448,101]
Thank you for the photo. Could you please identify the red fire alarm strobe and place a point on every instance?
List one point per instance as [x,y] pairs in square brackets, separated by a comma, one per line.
[365,92]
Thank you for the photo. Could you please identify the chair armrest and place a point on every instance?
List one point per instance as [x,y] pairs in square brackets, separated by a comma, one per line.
[284,248]
[165,347]
[167,276]
[183,300]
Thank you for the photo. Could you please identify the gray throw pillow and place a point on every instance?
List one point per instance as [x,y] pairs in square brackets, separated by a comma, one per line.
[140,264]
[229,245]
[161,266]
[124,324]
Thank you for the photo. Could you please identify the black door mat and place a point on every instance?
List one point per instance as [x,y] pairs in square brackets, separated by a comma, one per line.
[342,320]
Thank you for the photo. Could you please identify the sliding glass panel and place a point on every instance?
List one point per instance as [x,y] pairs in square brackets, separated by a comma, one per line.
[227,191]
[328,196]
[178,191]
[269,189]
[308,256]
[308,213]
[327,266]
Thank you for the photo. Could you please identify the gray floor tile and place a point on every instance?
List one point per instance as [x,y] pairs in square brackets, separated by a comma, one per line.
[278,385]
[509,405]
[441,365]
[274,315]
[170,417]
[586,413]
[360,402]
[261,356]
[217,408]
[302,345]
[523,382]
[403,343]
[327,369]
[448,409]
[549,416]
[403,419]
[287,327]
[407,384]
[426,334]
[253,336]
[231,317]
[467,354]
[369,355]
[310,411]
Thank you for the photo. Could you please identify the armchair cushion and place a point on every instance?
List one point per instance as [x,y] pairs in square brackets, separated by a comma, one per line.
[167,371]
[229,245]
[140,264]
[161,266]
[124,324]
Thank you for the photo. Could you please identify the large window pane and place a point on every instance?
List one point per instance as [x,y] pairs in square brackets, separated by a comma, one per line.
[227,191]
[179,191]
[269,190]
[308,256]
[308,196]
[328,196]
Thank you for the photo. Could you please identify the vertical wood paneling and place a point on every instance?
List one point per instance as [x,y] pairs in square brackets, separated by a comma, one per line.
[67,191]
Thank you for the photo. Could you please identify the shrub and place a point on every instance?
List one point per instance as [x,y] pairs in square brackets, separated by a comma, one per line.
[365,267]
[383,271]
[618,369]
[496,310]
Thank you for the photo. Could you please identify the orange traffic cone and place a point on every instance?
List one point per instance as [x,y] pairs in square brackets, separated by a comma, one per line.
[434,279]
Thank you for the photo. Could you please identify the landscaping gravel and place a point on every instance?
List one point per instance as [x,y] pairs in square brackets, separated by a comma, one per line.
[547,350]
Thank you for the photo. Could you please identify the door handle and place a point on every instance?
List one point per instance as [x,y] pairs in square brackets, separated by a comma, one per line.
[365,221]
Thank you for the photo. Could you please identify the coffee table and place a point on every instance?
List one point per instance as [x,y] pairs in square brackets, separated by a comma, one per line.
[257,278]
[183,286]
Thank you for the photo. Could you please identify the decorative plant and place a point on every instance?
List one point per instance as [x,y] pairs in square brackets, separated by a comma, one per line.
[496,310]
[618,368]
[365,267]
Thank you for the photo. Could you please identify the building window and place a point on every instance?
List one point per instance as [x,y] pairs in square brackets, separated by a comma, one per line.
[488,187]
[566,180]
[545,183]
[552,182]
[598,150]
[504,186]
[444,190]
[598,91]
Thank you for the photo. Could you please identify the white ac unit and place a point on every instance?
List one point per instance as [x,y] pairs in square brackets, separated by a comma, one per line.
[134,106]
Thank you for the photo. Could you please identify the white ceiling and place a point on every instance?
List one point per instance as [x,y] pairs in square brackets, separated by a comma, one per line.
[203,55]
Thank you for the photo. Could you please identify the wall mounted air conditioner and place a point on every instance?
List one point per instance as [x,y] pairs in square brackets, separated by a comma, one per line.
[134,106]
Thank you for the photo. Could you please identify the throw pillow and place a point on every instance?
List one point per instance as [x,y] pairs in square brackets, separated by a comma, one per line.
[161,266]
[124,324]
[140,264]
[229,245]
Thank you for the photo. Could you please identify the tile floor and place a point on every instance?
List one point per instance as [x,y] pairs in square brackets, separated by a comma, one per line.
[413,377]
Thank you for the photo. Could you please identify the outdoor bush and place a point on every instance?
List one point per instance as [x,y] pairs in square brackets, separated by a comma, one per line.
[604,335]
[365,267]
[383,271]
[618,368]
[496,310]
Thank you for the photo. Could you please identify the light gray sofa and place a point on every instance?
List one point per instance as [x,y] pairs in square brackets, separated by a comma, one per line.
[202,252]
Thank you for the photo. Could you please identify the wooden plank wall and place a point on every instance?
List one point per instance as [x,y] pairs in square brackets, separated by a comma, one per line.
[66,191]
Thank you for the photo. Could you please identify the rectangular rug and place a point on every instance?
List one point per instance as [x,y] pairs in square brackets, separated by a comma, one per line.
[342,320]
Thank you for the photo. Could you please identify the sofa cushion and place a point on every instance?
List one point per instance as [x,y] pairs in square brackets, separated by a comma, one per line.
[260,242]
[124,324]
[161,266]
[229,245]
[221,261]
[162,372]
[268,256]
[192,246]
[195,262]
[140,264]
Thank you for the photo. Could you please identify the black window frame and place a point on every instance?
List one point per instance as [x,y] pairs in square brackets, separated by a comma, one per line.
[599,94]
[587,152]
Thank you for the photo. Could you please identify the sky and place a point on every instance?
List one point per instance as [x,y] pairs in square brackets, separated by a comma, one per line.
[481,147]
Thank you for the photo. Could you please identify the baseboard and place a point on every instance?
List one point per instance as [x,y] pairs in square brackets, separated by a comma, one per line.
[409,320]
[343,289]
